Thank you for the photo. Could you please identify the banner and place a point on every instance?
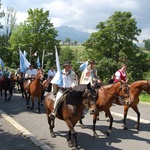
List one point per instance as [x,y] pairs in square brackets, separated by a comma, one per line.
[1,62]
[24,64]
[57,79]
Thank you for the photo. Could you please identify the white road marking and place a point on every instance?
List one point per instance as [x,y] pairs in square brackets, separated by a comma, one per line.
[25,132]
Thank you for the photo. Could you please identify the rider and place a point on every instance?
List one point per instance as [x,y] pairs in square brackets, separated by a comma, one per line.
[121,74]
[31,72]
[89,74]
[69,80]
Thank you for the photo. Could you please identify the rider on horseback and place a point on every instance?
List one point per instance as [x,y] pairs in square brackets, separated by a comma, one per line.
[69,80]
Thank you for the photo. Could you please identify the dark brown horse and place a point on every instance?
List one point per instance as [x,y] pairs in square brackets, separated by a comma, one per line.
[71,109]
[6,84]
[106,96]
[135,89]
[34,89]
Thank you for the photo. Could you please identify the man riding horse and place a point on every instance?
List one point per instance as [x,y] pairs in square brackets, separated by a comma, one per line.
[69,80]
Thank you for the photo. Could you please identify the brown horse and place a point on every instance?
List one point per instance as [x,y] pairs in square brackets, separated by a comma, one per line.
[17,79]
[106,95]
[71,109]
[34,89]
[135,89]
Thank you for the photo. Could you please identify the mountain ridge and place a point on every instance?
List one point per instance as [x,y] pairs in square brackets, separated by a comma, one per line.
[65,32]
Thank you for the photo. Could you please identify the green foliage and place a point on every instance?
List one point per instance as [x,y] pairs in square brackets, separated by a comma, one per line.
[35,34]
[144,97]
[147,44]
[113,44]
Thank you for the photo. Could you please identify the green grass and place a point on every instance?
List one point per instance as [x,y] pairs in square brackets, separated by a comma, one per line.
[145,97]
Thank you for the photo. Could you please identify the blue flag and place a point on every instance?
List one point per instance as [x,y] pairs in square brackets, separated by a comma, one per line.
[38,62]
[83,66]
[1,62]
[58,76]
[24,64]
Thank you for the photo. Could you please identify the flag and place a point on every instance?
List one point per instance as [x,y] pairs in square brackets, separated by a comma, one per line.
[57,79]
[38,62]
[25,53]
[83,66]
[35,54]
[1,62]
[24,64]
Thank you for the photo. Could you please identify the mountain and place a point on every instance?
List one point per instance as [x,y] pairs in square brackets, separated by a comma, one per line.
[65,32]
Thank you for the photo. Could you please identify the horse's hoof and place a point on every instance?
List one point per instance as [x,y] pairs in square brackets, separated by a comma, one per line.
[95,135]
[39,112]
[42,104]
[70,144]
[137,127]
[53,135]
[28,106]
[82,126]
[107,133]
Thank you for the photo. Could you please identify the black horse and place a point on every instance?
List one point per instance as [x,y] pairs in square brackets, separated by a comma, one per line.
[6,84]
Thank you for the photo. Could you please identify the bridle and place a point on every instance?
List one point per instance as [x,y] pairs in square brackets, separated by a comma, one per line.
[121,98]
[90,96]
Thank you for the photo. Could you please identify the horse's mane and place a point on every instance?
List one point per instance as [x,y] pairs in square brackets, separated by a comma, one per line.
[76,94]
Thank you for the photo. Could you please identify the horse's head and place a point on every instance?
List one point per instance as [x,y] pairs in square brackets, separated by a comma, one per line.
[146,87]
[124,94]
[89,98]
[39,75]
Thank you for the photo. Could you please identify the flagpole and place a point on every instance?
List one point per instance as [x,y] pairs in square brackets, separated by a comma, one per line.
[30,52]
[43,57]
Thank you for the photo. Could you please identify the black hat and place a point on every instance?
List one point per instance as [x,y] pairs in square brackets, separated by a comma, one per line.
[67,63]
[92,62]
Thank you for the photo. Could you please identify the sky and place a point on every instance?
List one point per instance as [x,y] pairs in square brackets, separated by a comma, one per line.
[84,15]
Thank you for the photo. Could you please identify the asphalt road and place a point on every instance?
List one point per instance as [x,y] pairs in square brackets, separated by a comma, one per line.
[22,129]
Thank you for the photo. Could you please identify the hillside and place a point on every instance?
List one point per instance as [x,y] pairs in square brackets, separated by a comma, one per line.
[65,32]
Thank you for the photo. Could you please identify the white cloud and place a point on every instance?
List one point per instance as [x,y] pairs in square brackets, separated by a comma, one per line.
[84,15]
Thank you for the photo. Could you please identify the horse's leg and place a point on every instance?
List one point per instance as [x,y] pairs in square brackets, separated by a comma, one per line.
[70,144]
[73,133]
[27,100]
[39,104]
[81,123]
[135,108]
[94,123]
[125,116]
[42,97]
[111,122]
[51,126]
[32,98]
[5,95]
[10,94]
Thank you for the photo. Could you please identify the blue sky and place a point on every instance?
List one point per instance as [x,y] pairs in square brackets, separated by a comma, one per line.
[84,15]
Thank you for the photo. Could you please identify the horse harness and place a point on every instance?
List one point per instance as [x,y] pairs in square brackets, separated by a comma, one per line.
[122,97]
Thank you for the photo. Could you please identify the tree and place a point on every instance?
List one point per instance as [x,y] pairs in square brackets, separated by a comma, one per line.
[36,33]
[113,43]
[147,44]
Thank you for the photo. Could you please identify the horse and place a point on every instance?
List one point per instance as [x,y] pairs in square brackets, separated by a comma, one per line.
[71,108]
[6,84]
[135,89]
[34,89]
[17,79]
[106,95]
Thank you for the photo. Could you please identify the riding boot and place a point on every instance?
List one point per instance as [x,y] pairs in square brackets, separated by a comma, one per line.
[54,112]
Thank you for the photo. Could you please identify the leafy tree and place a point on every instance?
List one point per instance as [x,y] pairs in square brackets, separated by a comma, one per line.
[113,43]
[147,44]
[35,34]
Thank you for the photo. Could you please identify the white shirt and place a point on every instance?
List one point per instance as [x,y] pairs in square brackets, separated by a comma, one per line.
[31,73]
[51,74]
[117,74]
[69,79]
